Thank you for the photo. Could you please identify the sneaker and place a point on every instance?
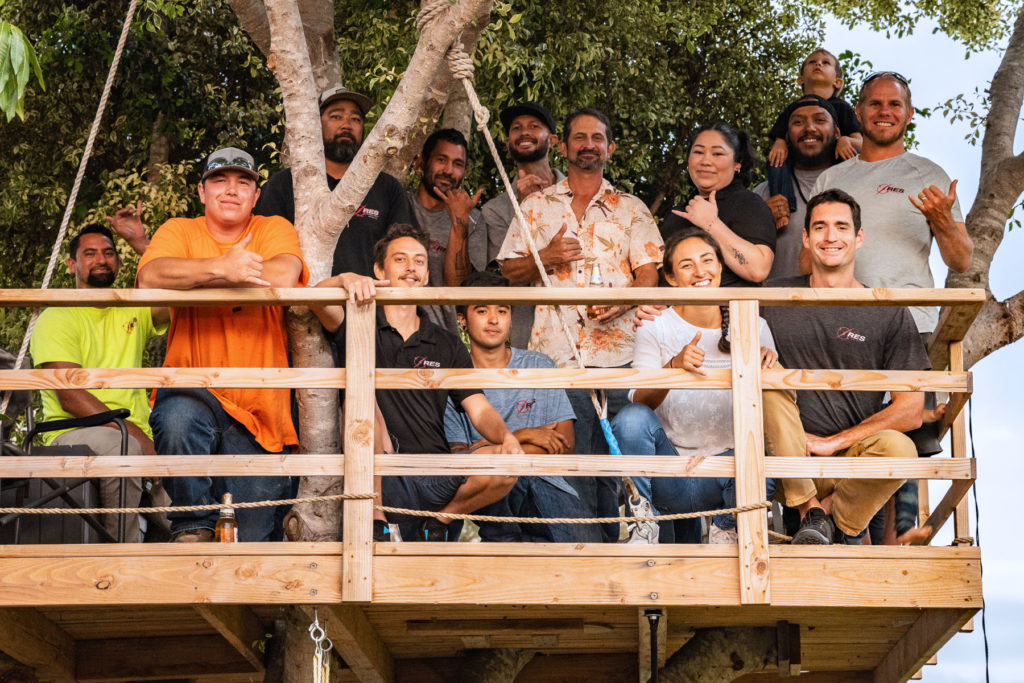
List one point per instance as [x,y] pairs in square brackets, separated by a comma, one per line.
[643,532]
[194,536]
[722,536]
[431,530]
[816,528]
[381,531]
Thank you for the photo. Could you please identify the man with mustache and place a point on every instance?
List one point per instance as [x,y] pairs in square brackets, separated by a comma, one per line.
[342,113]
[101,337]
[530,133]
[578,225]
[811,136]
[447,214]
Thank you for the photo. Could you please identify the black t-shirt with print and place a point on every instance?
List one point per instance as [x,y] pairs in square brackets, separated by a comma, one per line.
[415,417]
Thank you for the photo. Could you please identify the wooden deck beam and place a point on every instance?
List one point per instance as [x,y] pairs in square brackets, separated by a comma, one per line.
[33,640]
[921,641]
[148,659]
[240,628]
[358,642]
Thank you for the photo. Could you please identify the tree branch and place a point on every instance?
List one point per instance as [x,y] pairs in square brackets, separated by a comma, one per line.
[1007,90]
[252,15]
[999,323]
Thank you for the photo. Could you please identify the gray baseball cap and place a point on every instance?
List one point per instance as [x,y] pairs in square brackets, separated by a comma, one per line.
[364,103]
[230,159]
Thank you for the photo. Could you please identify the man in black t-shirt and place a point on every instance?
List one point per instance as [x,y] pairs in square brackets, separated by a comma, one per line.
[341,120]
[847,423]
[406,338]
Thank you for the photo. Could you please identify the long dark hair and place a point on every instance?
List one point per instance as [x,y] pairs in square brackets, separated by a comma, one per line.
[738,141]
[667,266]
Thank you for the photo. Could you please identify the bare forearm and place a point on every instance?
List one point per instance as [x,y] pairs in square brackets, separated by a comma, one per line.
[282,270]
[456,258]
[520,271]
[748,260]
[182,273]
[954,243]
[80,403]
[652,398]
[902,415]
[645,276]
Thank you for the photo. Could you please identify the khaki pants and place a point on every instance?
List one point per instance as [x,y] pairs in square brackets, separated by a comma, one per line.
[107,441]
[854,501]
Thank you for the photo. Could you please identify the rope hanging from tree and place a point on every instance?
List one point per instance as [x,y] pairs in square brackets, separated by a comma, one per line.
[461,66]
[62,232]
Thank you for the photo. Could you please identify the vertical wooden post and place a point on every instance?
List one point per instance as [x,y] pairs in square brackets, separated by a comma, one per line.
[357,527]
[748,440]
[923,505]
[958,444]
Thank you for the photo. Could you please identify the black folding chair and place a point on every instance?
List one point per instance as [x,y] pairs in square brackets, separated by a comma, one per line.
[63,490]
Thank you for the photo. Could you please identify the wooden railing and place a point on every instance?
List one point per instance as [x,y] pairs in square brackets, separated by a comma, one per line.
[359,464]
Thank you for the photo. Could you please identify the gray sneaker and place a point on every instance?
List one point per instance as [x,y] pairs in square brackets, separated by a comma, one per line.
[816,528]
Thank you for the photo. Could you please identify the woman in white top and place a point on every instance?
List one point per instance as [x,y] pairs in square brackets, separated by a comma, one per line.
[686,421]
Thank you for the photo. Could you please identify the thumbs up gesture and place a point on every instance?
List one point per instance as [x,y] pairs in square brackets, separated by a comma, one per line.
[241,266]
[690,358]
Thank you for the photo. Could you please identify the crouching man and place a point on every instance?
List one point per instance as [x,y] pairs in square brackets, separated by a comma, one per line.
[406,338]
[847,423]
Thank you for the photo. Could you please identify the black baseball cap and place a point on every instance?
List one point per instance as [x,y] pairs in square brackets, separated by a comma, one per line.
[529,109]
[230,159]
[364,103]
[811,101]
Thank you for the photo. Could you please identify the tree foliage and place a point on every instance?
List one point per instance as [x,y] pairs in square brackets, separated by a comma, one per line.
[17,64]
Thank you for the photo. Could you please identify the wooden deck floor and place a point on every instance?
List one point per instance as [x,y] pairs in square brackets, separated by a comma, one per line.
[119,613]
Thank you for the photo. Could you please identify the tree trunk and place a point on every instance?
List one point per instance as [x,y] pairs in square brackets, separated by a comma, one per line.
[721,655]
[1000,184]
[500,665]
[159,151]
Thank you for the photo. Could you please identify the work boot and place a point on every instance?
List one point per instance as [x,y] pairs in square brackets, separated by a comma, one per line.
[816,528]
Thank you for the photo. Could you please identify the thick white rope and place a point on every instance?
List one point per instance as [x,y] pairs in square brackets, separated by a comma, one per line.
[111,73]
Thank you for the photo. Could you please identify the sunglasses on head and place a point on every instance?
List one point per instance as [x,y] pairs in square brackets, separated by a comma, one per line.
[224,161]
[887,74]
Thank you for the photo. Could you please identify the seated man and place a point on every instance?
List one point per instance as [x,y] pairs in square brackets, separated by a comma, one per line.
[406,338]
[107,337]
[541,419]
[227,247]
[850,423]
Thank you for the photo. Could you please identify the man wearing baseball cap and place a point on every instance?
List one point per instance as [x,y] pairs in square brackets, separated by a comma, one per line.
[342,113]
[226,247]
[529,135]
[811,135]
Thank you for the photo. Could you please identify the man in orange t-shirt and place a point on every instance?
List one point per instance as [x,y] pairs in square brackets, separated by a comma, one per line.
[227,247]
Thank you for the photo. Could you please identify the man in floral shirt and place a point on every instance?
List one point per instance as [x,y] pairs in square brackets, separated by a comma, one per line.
[577,224]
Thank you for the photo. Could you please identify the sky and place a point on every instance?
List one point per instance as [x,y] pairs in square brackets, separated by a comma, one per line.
[938,71]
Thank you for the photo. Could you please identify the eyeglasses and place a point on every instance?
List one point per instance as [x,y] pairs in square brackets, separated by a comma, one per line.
[886,74]
[220,162]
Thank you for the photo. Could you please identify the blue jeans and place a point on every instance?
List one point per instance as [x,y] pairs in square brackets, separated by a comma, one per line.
[192,422]
[590,440]
[534,497]
[639,432]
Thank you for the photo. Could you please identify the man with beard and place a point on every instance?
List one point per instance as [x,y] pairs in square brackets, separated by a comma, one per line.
[341,121]
[907,201]
[107,337]
[446,213]
[578,225]
[530,132]
[811,136]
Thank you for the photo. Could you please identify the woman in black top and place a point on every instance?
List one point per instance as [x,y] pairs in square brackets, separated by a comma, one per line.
[720,164]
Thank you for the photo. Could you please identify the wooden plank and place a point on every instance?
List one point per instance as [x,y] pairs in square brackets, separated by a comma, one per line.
[553,378]
[948,505]
[33,640]
[358,642]
[142,659]
[933,660]
[797,296]
[240,628]
[956,405]
[194,553]
[968,627]
[357,526]
[958,444]
[923,505]
[411,464]
[922,640]
[954,321]
[644,658]
[659,582]
[748,440]
[476,627]
[140,580]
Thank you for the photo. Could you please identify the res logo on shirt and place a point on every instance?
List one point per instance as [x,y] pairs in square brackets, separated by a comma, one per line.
[424,362]
[524,405]
[365,212]
[850,334]
[886,188]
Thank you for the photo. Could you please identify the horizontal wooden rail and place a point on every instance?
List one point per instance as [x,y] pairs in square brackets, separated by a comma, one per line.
[600,378]
[523,465]
[768,296]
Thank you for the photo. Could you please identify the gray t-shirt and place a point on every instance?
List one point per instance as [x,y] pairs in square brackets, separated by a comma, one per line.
[498,214]
[519,408]
[438,225]
[789,241]
[842,338]
[897,238]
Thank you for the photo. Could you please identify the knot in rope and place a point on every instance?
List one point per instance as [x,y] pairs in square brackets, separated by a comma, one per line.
[459,62]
